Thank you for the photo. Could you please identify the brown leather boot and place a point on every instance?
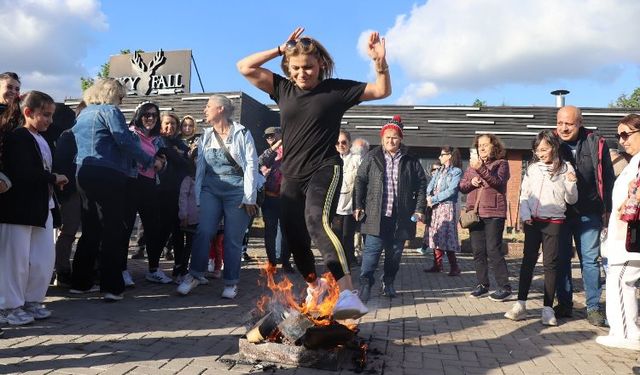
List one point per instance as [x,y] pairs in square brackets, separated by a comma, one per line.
[437,262]
[453,261]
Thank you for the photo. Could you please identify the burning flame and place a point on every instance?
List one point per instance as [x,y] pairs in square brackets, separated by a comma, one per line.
[282,293]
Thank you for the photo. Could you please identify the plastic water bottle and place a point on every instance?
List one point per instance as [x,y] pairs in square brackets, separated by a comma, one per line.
[414,218]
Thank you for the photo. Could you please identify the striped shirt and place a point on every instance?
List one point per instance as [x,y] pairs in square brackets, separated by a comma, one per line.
[390,192]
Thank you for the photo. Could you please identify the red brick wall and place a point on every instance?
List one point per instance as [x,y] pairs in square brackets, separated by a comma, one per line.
[514,157]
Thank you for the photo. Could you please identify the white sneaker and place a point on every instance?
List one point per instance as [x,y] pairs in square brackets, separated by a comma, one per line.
[37,310]
[93,289]
[15,317]
[187,284]
[317,294]
[128,280]
[349,306]
[549,316]
[618,342]
[230,291]
[112,297]
[518,311]
[210,266]
[158,277]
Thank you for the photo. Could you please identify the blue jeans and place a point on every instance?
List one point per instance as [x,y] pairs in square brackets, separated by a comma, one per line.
[373,247]
[585,231]
[213,207]
[273,241]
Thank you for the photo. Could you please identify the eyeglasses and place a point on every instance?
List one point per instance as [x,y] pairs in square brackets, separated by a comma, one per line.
[269,136]
[306,44]
[150,115]
[625,135]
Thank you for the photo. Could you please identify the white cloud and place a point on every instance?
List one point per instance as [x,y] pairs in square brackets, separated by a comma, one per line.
[45,40]
[446,45]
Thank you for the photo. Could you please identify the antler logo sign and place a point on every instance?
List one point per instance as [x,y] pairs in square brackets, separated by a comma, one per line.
[146,72]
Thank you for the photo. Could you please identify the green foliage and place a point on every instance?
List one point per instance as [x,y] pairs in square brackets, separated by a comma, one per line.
[631,101]
[479,103]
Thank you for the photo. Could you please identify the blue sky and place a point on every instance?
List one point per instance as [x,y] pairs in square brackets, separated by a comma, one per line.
[441,52]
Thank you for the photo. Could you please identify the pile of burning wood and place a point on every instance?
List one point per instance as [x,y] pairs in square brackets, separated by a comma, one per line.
[283,330]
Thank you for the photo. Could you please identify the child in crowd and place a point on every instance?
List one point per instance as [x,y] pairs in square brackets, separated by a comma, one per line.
[27,215]
[548,186]
[188,216]
[216,253]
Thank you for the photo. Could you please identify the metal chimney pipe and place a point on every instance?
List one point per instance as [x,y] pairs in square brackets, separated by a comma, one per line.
[559,94]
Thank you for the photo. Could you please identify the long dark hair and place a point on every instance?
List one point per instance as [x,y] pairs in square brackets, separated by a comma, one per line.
[137,118]
[554,142]
[456,160]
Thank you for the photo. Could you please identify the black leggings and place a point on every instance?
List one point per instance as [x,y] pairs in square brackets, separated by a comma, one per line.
[345,228]
[142,198]
[547,234]
[307,209]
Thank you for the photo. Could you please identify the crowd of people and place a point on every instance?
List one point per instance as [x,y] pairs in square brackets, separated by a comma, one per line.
[199,193]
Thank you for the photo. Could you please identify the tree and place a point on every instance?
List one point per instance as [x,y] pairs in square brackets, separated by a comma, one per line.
[86,82]
[631,101]
[479,103]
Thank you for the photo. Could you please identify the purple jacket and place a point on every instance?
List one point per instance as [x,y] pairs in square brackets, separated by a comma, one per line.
[493,201]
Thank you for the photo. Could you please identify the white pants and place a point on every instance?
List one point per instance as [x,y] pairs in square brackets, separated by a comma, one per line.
[622,305]
[27,256]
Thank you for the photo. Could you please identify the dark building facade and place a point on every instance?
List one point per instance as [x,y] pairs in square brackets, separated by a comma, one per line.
[426,128]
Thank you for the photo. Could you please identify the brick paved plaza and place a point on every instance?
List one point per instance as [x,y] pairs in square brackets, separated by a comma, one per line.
[433,327]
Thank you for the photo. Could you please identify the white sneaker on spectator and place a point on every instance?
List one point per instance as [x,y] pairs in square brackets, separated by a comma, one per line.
[188,284]
[158,277]
[15,317]
[349,306]
[618,342]
[230,291]
[112,297]
[317,293]
[128,280]
[210,266]
[202,280]
[518,311]
[549,316]
[37,310]
[93,289]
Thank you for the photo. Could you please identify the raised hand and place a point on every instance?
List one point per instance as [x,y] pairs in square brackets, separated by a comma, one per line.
[293,36]
[376,47]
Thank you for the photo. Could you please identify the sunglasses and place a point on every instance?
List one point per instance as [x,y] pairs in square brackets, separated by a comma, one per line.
[305,43]
[625,135]
[150,115]
[342,142]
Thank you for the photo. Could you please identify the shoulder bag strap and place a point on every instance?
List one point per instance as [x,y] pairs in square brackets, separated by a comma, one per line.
[224,148]
[475,207]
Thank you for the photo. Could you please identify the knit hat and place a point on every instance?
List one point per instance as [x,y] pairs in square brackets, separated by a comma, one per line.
[396,124]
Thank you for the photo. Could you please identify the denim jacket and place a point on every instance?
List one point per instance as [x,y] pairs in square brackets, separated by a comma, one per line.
[104,140]
[449,188]
[243,150]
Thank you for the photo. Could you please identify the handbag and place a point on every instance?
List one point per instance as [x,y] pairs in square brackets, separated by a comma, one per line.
[470,218]
[632,242]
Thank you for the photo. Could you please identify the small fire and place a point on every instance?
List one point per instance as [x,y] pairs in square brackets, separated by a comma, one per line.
[318,313]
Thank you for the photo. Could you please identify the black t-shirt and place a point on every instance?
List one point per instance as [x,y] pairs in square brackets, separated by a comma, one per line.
[310,121]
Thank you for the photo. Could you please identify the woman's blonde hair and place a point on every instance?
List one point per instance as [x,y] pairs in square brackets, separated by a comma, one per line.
[105,91]
[314,48]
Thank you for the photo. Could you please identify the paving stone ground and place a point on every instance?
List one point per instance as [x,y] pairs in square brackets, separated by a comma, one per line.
[432,327]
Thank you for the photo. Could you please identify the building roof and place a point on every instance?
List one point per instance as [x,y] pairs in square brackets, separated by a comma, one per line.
[424,126]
